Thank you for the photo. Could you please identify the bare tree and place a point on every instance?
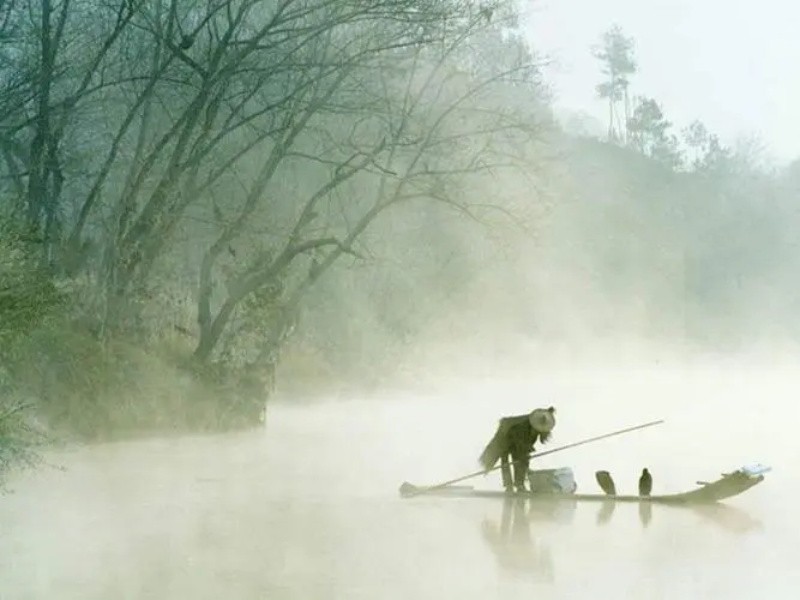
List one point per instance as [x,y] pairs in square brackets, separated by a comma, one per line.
[422,136]
[55,53]
[244,69]
[270,133]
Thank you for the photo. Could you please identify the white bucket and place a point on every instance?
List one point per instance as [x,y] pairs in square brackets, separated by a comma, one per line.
[552,481]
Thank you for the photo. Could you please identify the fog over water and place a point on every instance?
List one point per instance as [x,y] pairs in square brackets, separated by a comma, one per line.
[308,507]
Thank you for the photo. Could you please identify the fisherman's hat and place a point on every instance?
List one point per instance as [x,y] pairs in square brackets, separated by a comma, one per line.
[543,419]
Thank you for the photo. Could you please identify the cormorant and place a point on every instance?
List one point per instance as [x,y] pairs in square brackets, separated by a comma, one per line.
[606,483]
[645,483]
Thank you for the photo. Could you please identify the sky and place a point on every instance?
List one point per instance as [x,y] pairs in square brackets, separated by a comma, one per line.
[732,64]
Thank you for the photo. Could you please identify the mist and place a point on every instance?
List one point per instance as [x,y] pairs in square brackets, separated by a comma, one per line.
[262,262]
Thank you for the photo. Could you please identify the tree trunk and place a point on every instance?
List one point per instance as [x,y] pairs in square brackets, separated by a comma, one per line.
[37,179]
[627,115]
[211,330]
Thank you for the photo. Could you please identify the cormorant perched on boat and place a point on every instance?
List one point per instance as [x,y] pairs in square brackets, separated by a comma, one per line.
[606,483]
[645,483]
[515,437]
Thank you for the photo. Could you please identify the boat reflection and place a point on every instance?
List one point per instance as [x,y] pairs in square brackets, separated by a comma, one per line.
[730,518]
[725,516]
[519,548]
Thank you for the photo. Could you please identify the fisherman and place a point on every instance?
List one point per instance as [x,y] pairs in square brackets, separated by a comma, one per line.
[515,437]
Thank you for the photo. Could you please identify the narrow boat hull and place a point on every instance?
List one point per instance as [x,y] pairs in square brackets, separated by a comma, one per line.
[729,485]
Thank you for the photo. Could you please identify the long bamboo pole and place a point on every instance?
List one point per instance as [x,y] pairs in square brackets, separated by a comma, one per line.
[408,489]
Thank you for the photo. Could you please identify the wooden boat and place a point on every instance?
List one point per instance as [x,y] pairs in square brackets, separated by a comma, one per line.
[729,485]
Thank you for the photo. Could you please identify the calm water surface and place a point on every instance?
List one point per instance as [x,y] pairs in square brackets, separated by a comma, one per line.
[308,508]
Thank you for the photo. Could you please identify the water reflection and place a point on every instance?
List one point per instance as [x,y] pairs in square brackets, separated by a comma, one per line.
[725,516]
[729,517]
[606,512]
[515,545]
[645,513]
[518,543]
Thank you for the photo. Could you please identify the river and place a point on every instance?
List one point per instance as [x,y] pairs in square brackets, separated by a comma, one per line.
[308,507]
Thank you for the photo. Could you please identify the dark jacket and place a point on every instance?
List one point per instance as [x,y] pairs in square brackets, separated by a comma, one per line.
[515,437]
